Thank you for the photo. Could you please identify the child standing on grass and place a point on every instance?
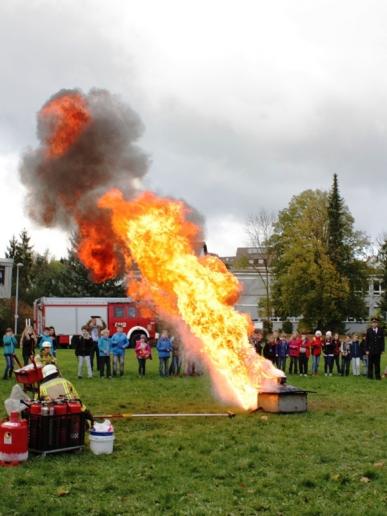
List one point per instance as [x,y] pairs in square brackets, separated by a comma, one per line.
[364,356]
[345,356]
[9,343]
[355,355]
[164,348]
[45,337]
[304,355]
[316,347]
[282,352]
[143,352]
[269,348]
[294,353]
[119,343]
[328,351]
[336,352]
[104,348]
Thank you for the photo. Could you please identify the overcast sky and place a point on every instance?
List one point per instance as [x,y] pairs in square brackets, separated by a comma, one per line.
[245,103]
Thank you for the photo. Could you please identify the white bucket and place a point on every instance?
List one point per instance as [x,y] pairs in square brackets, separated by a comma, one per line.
[101,443]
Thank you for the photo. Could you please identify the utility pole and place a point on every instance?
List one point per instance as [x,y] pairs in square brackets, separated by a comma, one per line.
[18,265]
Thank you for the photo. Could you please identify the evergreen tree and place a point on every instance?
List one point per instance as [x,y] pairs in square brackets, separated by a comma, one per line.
[21,251]
[346,250]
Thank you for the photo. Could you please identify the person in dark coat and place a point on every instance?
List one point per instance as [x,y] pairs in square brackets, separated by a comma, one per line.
[374,347]
[83,347]
[269,349]
[257,341]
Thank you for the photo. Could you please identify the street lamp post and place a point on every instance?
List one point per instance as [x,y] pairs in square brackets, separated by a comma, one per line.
[18,265]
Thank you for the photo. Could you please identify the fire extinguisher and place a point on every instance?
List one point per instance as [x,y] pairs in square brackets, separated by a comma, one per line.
[35,427]
[14,440]
[60,411]
[74,409]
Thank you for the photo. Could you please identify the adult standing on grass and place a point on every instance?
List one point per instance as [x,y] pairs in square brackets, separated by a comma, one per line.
[374,348]
[316,347]
[164,348]
[119,342]
[9,343]
[83,349]
[28,343]
[94,326]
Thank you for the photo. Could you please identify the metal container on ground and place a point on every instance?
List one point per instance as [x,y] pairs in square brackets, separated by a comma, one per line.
[282,398]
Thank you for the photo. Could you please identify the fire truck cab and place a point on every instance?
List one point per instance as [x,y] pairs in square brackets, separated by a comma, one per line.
[68,314]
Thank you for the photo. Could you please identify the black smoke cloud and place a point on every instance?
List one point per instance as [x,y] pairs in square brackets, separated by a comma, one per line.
[105,155]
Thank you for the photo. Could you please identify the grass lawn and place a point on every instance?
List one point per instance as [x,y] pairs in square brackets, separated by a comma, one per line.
[331,460]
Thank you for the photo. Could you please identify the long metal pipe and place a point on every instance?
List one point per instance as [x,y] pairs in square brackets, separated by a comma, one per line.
[180,414]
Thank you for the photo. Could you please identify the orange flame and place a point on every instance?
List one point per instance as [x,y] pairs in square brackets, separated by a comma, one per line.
[200,291]
[67,117]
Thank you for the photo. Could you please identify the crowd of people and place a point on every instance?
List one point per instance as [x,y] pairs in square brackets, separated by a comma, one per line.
[359,353]
[96,350]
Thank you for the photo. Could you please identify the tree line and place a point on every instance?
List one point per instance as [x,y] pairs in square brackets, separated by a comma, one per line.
[42,275]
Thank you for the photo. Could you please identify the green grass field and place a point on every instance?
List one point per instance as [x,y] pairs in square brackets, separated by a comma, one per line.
[330,460]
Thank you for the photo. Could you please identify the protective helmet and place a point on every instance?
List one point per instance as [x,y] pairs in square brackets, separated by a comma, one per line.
[49,369]
[328,334]
[46,344]
[318,333]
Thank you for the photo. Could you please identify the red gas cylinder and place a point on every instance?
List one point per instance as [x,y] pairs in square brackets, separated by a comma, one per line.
[60,408]
[35,408]
[13,440]
[74,406]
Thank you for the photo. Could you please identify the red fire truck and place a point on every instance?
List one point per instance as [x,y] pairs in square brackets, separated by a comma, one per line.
[68,314]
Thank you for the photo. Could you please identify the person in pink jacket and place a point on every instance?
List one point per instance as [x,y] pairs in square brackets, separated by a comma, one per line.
[143,352]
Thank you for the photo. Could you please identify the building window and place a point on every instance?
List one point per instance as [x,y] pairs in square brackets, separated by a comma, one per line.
[377,287]
[2,274]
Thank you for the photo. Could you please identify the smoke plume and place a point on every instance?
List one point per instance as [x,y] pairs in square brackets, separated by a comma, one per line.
[102,153]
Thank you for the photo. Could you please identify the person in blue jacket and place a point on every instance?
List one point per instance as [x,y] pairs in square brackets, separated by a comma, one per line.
[104,348]
[164,348]
[119,342]
[9,343]
[45,337]
[282,352]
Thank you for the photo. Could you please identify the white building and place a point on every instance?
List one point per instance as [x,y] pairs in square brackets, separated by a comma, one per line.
[6,265]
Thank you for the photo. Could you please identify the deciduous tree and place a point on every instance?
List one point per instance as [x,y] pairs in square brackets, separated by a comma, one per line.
[307,281]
